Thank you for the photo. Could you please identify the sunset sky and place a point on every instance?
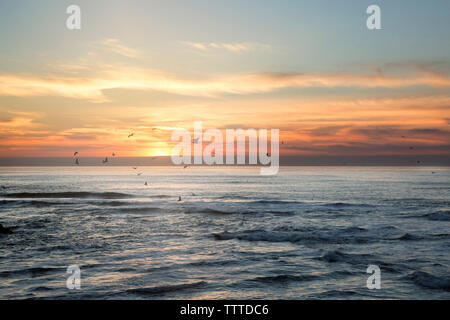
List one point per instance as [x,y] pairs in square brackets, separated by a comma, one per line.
[309,68]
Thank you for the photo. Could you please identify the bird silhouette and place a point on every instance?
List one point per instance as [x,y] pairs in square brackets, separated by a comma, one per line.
[130,135]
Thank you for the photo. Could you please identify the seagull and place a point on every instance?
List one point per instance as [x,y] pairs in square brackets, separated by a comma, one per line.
[195,140]
[130,135]
[75,153]
[106,160]
[77,162]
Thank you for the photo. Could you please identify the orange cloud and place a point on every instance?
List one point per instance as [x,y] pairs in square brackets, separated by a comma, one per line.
[106,77]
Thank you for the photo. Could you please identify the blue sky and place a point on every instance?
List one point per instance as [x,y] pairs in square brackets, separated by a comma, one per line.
[311,68]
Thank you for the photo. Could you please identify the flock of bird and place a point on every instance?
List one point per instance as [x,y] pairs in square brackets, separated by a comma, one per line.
[195,141]
[104,161]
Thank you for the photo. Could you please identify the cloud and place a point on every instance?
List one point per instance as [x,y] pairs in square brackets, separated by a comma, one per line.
[105,77]
[116,46]
[231,47]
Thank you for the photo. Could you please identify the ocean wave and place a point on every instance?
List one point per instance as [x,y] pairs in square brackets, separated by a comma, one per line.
[284,278]
[207,211]
[339,256]
[109,203]
[276,202]
[161,290]
[310,235]
[140,210]
[429,281]
[348,205]
[34,272]
[82,195]
[34,203]
[409,237]
[443,215]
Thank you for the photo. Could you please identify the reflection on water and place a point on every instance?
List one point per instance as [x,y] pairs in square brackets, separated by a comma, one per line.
[309,232]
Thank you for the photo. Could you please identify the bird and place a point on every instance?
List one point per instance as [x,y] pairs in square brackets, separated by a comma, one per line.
[75,153]
[130,135]
[77,162]
[195,140]
[185,166]
[106,160]
[145,184]
[140,173]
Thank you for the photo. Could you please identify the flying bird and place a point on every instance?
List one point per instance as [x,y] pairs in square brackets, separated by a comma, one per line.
[130,135]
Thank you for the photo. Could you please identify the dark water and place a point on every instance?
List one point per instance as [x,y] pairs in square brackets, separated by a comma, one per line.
[307,233]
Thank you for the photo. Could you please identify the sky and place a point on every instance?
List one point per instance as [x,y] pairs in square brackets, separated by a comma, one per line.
[310,68]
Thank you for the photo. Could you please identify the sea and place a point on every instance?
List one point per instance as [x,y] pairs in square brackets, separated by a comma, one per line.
[225,232]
